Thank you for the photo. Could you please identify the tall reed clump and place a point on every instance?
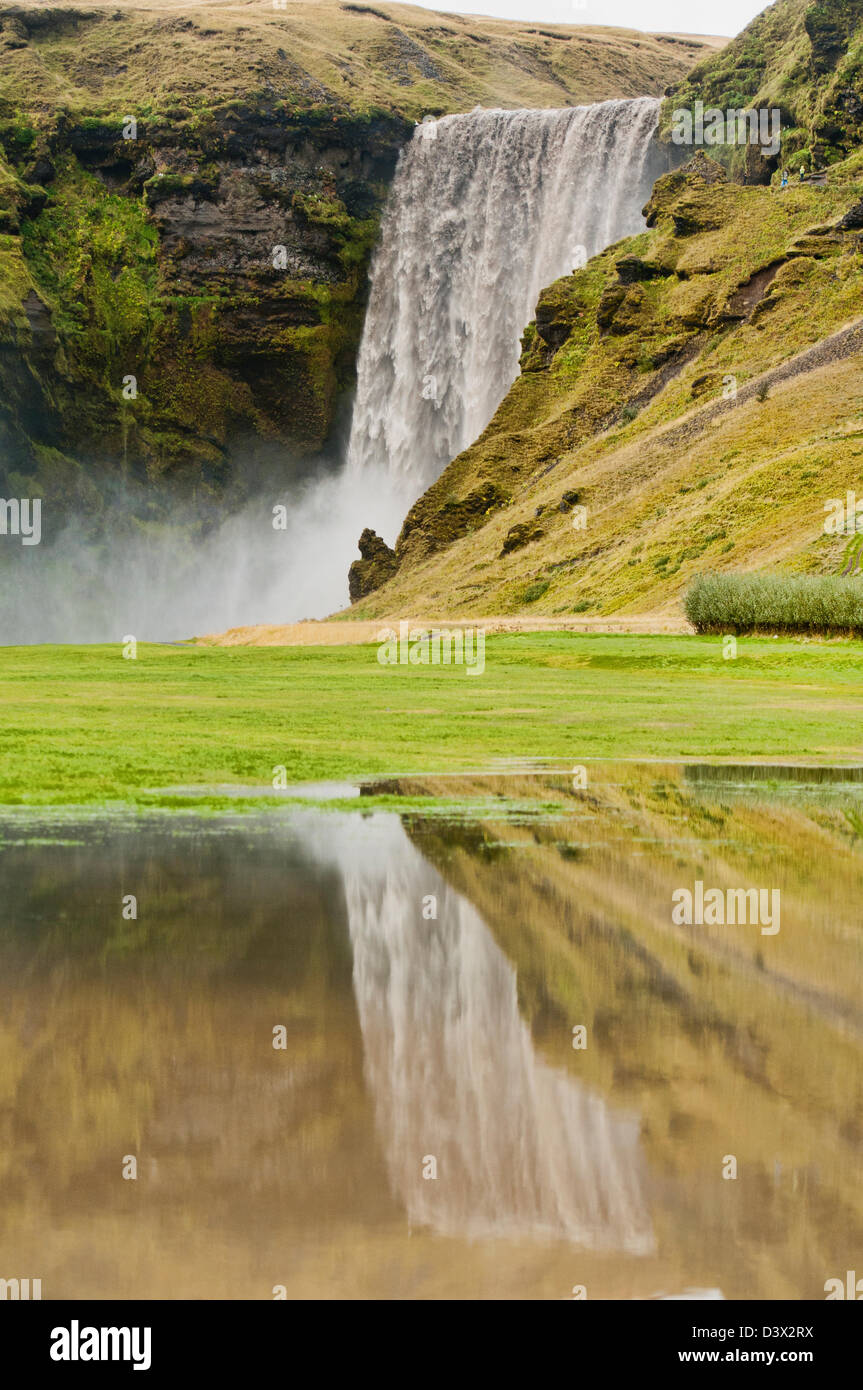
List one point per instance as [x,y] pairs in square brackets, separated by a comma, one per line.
[775,603]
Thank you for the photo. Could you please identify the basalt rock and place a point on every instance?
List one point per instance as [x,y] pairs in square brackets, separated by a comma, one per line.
[632,269]
[378,564]
[610,301]
[852,220]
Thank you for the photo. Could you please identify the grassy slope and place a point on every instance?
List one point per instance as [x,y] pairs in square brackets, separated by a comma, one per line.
[83,725]
[399,58]
[674,480]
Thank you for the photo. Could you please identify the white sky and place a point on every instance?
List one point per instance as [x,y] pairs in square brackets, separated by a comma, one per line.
[663,16]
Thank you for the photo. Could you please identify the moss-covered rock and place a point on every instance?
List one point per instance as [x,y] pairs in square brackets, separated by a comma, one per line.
[377,564]
[521,535]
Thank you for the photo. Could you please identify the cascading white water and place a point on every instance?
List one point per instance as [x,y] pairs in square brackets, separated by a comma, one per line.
[486,209]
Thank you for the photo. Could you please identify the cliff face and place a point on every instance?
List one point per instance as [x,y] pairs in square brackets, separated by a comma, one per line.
[198,284]
[188,202]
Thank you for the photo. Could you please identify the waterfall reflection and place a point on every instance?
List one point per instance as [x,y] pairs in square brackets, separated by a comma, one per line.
[522,1150]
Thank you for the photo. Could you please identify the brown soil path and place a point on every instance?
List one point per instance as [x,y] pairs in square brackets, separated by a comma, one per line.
[348,633]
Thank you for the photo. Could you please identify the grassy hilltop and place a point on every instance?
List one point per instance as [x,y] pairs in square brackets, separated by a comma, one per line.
[92,59]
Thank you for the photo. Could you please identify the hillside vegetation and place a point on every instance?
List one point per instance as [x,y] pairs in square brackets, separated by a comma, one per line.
[93,59]
[801,58]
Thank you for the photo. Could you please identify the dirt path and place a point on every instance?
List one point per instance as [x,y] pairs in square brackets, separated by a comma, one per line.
[349,633]
[847,342]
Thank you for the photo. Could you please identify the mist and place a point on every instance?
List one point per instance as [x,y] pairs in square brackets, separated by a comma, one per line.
[196,568]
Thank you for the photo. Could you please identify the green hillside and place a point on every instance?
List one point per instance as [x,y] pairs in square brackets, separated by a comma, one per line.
[803,59]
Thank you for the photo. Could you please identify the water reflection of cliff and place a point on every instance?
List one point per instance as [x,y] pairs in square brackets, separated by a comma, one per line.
[521,1149]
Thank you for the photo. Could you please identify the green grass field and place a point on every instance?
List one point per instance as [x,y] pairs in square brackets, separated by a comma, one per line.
[82,725]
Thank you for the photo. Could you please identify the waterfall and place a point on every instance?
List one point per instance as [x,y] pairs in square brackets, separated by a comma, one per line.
[486,209]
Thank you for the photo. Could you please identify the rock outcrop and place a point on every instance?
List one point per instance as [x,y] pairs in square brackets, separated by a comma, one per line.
[378,564]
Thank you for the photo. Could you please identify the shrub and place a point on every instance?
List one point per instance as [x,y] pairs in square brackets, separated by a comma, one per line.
[775,603]
[535,591]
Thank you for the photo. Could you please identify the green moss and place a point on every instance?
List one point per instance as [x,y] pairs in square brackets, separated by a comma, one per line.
[17,136]
[167,185]
[14,284]
[535,591]
[92,254]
